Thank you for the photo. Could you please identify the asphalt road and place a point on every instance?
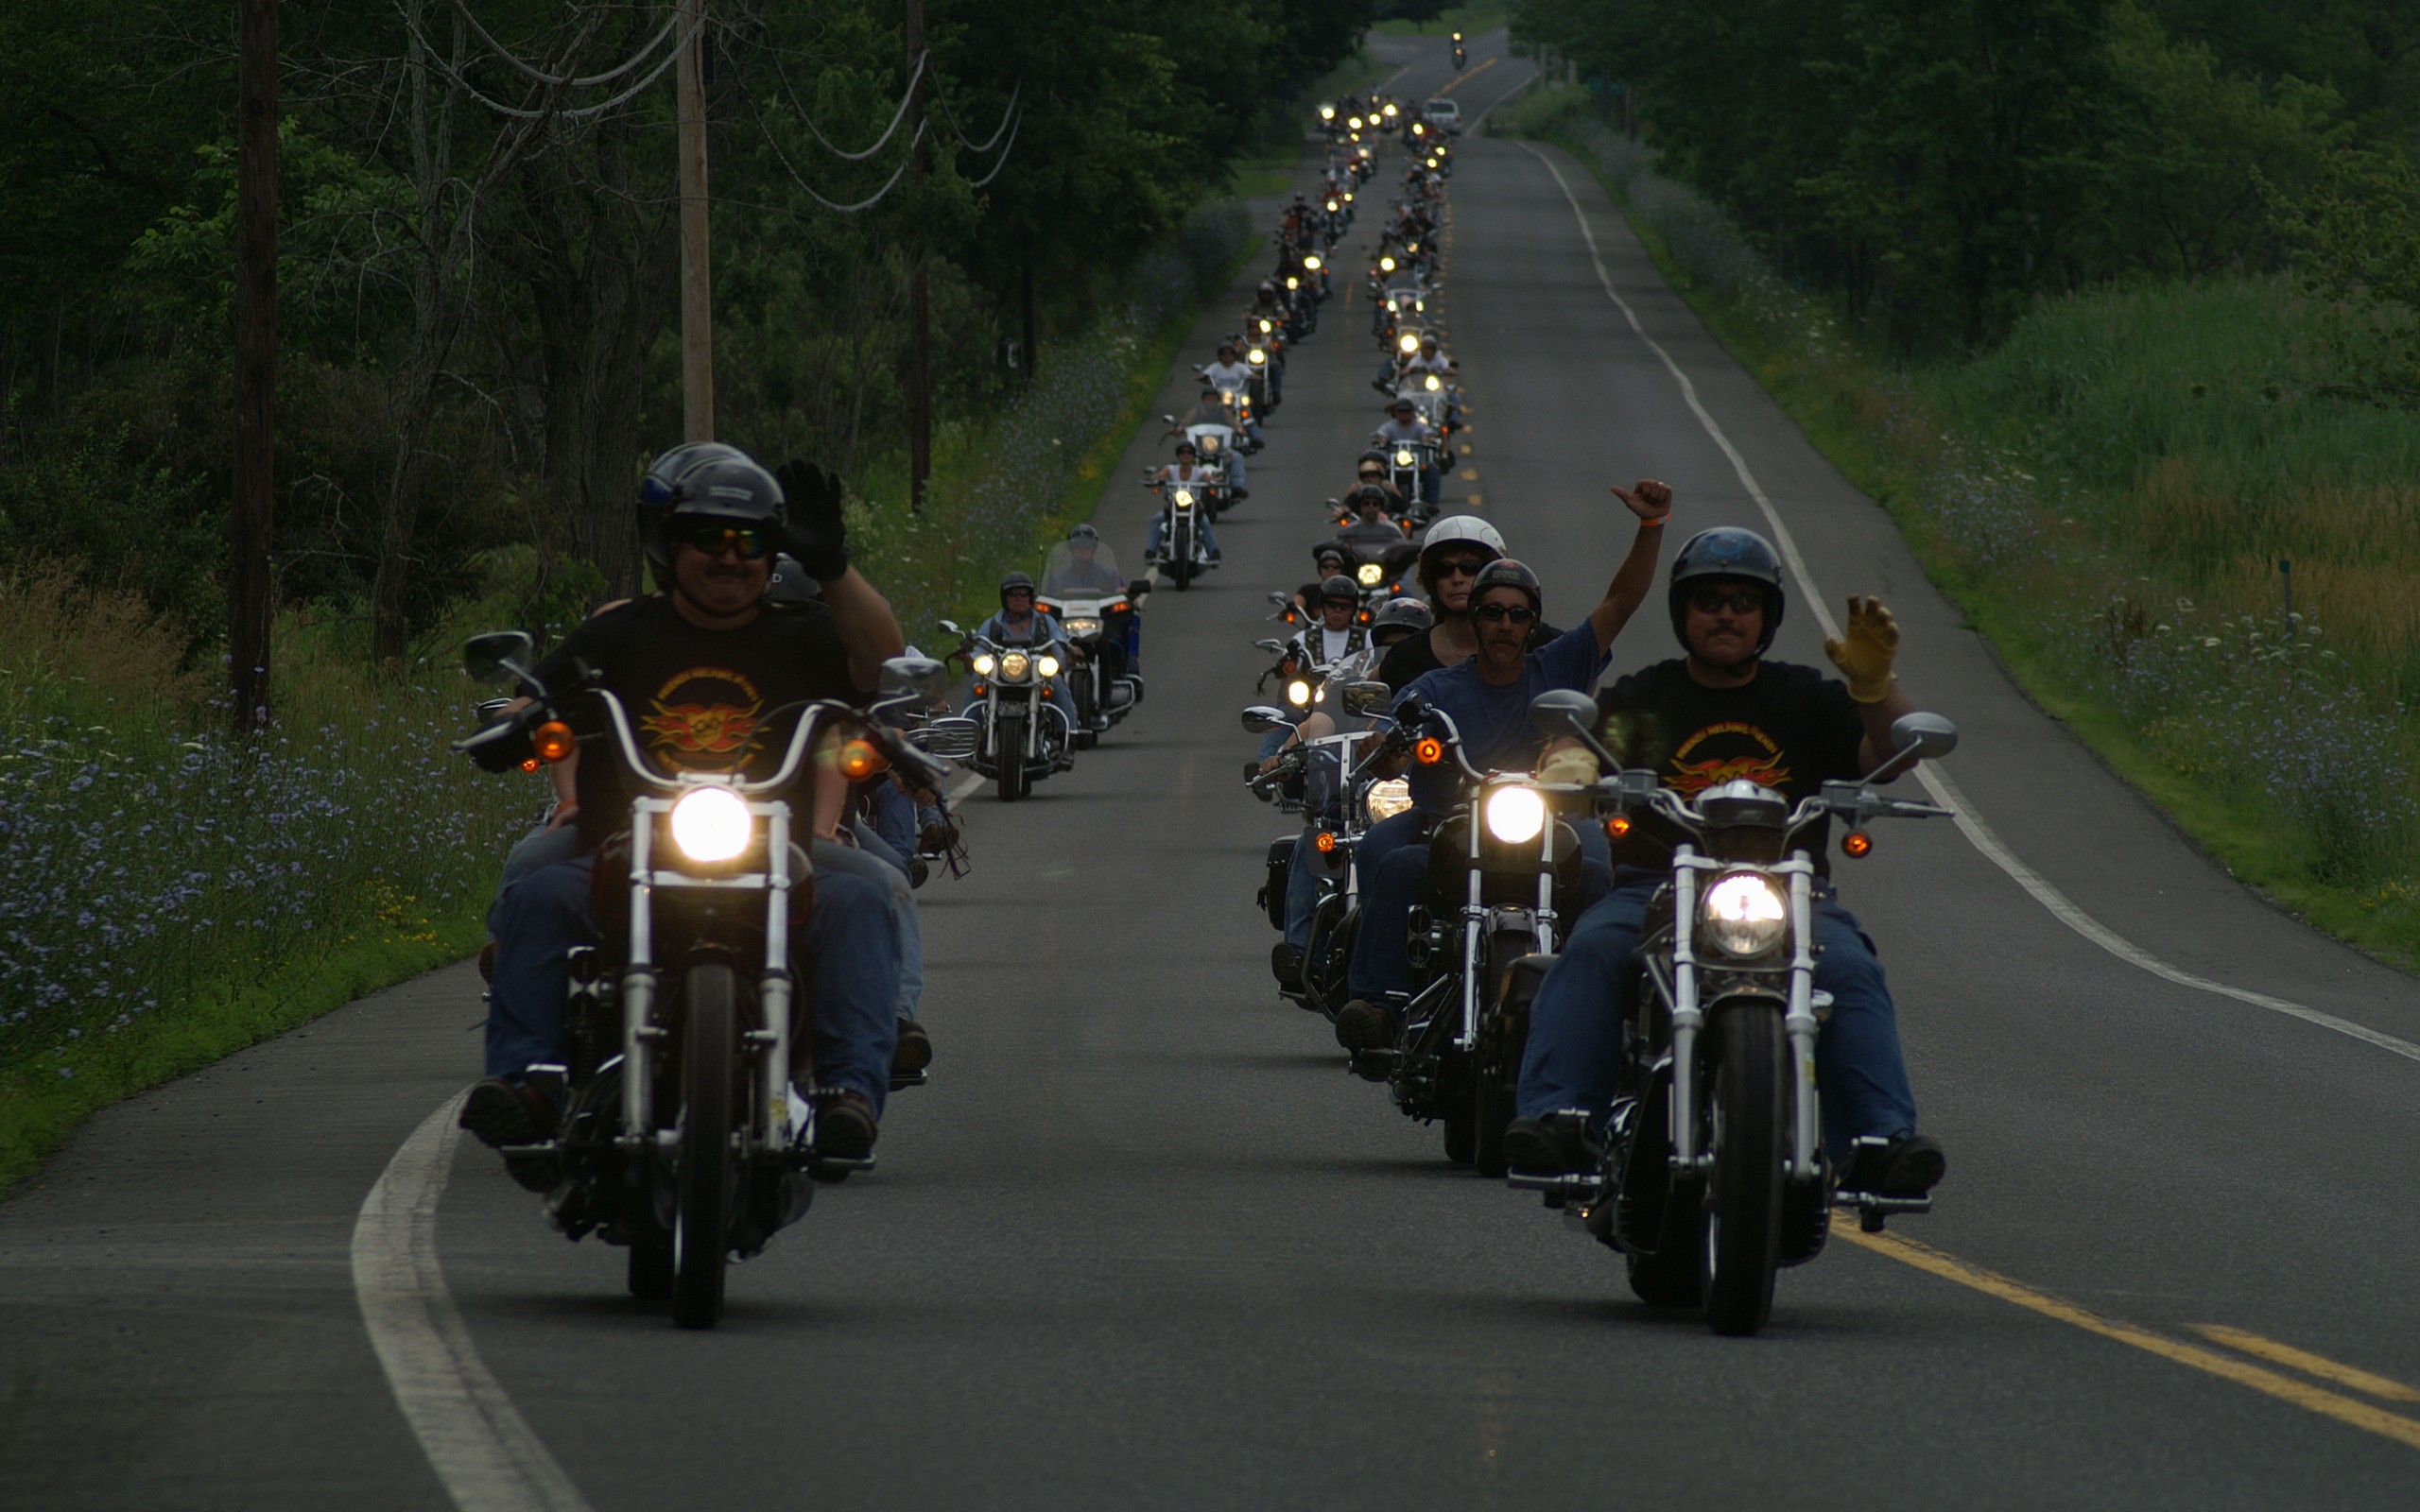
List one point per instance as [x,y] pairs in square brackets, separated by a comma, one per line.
[1143,1243]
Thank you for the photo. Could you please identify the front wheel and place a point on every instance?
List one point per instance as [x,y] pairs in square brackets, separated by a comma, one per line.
[1747,1120]
[1180,559]
[709,1043]
[1012,768]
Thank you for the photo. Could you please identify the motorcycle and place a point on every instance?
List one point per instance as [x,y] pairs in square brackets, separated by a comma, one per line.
[1235,393]
[680,1135]
[1715,1173]
[1096,607]
[1020,735]
[1461,56]
[1340,797]
[1184,555]
[1512,861]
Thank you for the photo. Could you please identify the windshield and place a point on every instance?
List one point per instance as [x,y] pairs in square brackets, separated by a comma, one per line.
[1081,568]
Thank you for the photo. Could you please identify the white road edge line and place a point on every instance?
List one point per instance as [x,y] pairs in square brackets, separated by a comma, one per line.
[1944,792]
[475,1440]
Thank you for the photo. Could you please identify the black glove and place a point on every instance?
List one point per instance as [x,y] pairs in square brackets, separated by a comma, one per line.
[815,534]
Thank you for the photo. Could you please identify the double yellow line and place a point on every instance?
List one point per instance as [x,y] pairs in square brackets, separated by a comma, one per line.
[1467,78]
[2344,1409]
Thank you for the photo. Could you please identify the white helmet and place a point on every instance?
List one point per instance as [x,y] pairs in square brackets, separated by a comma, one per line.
[1455,530]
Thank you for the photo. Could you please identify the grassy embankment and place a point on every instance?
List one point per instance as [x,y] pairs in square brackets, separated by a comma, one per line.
[1469,20]
[2109,493]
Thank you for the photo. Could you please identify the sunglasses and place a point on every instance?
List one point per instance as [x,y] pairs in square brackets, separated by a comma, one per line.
[715,539]
[1462,567]
[1737,600]
[1493,613]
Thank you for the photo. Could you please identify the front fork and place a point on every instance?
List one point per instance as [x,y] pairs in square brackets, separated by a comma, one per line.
[1798,1022]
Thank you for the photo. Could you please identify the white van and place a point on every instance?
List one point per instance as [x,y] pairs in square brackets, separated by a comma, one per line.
[1444,114]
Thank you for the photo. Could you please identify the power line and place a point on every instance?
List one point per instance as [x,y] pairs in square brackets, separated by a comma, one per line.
[554,81]
[1007,113]
[830,204]
[897,116]
[1010,126]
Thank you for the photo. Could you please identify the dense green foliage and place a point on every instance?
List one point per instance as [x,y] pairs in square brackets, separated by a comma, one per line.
[1940,163]
[478,307]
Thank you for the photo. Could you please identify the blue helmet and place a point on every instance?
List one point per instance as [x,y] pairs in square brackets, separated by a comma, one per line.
[1730,554]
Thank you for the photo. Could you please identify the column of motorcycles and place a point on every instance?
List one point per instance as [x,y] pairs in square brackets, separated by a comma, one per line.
[1714,1174]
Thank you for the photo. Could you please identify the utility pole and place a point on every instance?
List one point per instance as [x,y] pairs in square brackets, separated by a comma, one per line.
[249,605]
[696,270]
[919,312]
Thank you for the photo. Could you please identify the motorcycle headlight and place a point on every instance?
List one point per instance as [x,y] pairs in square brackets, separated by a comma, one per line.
[983,663]
[1408,342]
[1258,355]
[712,824]
[1368,573]
[1434,383]
[1185,498]
[1293,283]
[1404,458]
[1047,664]
[1298,693]
[1516,815]
[1744,914]
[1209,443]
[1080,626]
[1312,262]
[1266,328]
[1014,665]
[1388,799]
[1354,121]
[1386,263]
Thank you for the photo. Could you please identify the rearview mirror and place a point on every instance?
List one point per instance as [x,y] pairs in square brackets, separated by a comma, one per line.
[1139,589]
[1367,700]
[1928,737]
[951,626]
[1563,712]
[1261,718]
[498,655]
[1281,599]
[1270,645]
[910,675]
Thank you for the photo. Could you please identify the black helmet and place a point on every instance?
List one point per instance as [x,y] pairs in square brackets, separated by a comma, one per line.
[1406,614]
[725,486]
[1506,573]
[1729,553]
[655,490]
[1014,580]
[1084,533]
[1340,585]
[1330,551]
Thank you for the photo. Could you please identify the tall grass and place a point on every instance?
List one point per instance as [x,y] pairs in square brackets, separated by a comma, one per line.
[2109,492]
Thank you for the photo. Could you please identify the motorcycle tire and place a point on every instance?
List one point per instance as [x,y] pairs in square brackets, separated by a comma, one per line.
[650,1270]
[1748,1124]
[1013,782]
[1181,560]
[709,1049]
[1498,1065]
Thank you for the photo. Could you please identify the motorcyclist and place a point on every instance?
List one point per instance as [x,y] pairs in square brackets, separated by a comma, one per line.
[1336,635]
[1722,711]
[708,655]
[1371,526]
[1451,555]
[1488,696]
[1404,427]
[1018,623]
[1186,472]
[1213,410]
[1371,471]
[1080,571]
[1230,375]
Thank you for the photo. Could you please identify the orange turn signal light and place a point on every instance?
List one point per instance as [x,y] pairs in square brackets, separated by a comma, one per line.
[553,741]
[531,765]
[981,688]
[1856,843]
[859,760]
[1618,828]
[1325,841]
[1430,751]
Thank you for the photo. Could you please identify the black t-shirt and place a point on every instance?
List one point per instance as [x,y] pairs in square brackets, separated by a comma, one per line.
[698,699]
[1791,729]
[1413,655]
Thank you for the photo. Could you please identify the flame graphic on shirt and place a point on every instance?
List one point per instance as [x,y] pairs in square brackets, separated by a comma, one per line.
[1763,766]
[715,729]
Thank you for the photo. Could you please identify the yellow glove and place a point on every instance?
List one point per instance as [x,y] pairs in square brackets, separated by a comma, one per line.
[1575,765]
[1865,654]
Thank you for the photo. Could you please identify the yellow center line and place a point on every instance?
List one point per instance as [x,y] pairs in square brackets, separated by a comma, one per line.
[2308,1364]
[2301,1394]
[1467,78]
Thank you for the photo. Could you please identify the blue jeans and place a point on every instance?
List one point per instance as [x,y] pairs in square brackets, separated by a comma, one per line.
[869,859]
[895,821]
[1158,535]
[1576,1023]
[851,979]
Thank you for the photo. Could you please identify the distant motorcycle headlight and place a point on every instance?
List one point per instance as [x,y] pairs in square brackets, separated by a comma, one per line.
[1298,693]
[1408,342]
[1388,799]
[1013,666]
[1080,626]
[1370,573]
[1047,664]
[1185,498]
[1312,262]
[1266,328]
[1293,283]
[712,824]
[1405,458]
[983,663]
[1434,383]
[1209,443]
[1258,357]
[1744,914]
[1354,121]
[1516,815]
[1386,263]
